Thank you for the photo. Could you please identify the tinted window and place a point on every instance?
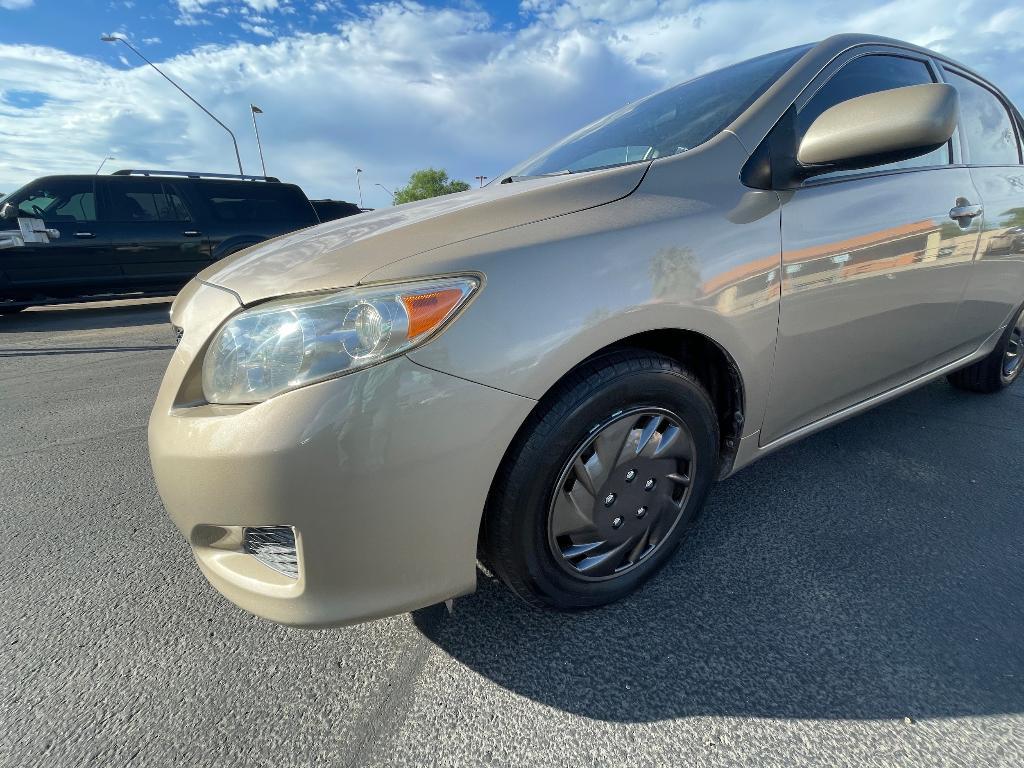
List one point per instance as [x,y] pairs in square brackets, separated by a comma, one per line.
[985,124]
[57,201]
[666,123]
[146,201]
[256,201]
[871,74]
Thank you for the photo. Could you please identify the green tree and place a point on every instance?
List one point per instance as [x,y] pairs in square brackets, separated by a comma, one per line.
[430,182]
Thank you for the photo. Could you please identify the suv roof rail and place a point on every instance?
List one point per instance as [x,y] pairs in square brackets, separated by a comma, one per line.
[194,175]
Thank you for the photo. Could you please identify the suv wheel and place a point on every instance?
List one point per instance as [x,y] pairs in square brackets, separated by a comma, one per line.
[603,482]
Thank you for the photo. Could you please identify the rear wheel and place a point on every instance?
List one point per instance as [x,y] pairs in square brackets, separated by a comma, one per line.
[1002,366]
[603,482]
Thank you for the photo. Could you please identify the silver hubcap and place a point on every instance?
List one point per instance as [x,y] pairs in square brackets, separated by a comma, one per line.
[1014,355]
[621,494]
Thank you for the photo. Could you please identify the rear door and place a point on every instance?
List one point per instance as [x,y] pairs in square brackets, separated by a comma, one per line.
[80,261]
[156,239]
[873,266]
[992,149]
[245,212]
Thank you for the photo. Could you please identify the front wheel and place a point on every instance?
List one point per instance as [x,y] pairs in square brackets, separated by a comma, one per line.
[1002,366]
[603,482]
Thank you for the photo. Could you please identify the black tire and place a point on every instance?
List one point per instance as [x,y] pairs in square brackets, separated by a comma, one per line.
[990,374]
[516,542]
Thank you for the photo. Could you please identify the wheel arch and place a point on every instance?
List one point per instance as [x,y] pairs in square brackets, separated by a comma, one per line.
[707,359]
[234,244]
[713,366]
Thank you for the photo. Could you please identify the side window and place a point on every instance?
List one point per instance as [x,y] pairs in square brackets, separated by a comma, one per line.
[985,124]
[64,200]
[147,200]
[864,75]
[256,202]
[174,208]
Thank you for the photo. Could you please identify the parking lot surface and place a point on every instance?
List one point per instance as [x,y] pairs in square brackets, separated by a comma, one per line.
[853,600]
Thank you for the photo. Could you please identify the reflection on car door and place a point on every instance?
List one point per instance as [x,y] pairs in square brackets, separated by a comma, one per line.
[80,260]
[993,151]
[157,242]
[874,268]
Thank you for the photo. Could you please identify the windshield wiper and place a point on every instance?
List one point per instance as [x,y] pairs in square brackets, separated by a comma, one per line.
[510,179]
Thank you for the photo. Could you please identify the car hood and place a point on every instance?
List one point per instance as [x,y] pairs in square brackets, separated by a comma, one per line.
[339,254]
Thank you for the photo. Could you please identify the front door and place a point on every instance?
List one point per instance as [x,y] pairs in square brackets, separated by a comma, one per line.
[79,261]
[873,266]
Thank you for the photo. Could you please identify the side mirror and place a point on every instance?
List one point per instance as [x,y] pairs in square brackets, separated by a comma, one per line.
[877,128]
[8,211]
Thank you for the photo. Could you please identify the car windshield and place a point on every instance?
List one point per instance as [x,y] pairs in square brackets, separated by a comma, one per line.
[666,123]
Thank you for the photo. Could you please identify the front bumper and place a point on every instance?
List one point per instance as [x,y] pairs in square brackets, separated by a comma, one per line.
[383,474]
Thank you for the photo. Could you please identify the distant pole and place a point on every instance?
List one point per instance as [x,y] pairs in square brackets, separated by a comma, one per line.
[111,157]
[388,191]
[359,184]
[257,111]
[481,179]
[119,39]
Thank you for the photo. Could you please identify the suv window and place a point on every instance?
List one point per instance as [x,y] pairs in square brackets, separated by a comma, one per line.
[985,124]
[864,75]
[58,200]
[256,201]
[145,200]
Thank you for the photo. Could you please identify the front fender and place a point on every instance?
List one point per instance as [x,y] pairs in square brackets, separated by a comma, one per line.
[691,249]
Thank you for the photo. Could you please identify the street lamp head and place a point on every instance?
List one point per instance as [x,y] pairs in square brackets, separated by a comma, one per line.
[109,38]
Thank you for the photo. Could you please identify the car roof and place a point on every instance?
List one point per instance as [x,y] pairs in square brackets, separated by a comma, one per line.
[155,176]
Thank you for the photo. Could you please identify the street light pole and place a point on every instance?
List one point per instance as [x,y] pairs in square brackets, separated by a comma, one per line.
[388,191]
[104,161]
[257,111]
[359,184]
[117,38]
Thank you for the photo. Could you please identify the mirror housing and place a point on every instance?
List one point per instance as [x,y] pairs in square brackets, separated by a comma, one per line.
[878,128]
[8,211]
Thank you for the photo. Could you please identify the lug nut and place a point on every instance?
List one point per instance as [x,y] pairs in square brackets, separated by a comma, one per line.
[641,512]
[617,522]
[630,475]
[649,485]
[609,499]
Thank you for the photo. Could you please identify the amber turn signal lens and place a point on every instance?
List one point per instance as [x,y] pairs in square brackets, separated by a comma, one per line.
[428,310]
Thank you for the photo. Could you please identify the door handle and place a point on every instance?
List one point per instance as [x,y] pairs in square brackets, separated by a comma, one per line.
[191,233]
[84,234]
[963,212]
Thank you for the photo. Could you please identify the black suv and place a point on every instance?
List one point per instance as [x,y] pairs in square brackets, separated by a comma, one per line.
[137,232]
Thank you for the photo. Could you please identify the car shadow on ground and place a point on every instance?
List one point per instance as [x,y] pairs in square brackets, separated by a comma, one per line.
[87,317]
[874,570]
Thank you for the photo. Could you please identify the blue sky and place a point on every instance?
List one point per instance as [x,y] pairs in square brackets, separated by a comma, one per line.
[394,86]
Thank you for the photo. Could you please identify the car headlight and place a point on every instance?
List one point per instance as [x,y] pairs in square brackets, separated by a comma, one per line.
[288,343]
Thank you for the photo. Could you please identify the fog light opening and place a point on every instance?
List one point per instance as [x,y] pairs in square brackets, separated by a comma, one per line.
[274,546]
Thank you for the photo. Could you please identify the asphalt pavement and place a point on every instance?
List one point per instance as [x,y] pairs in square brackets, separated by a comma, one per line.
[854,600]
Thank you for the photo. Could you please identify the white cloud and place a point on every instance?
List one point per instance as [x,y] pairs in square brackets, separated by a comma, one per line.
[15,5]
[257,29]
[401,86]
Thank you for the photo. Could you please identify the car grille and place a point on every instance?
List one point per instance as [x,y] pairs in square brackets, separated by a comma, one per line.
[274,546]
